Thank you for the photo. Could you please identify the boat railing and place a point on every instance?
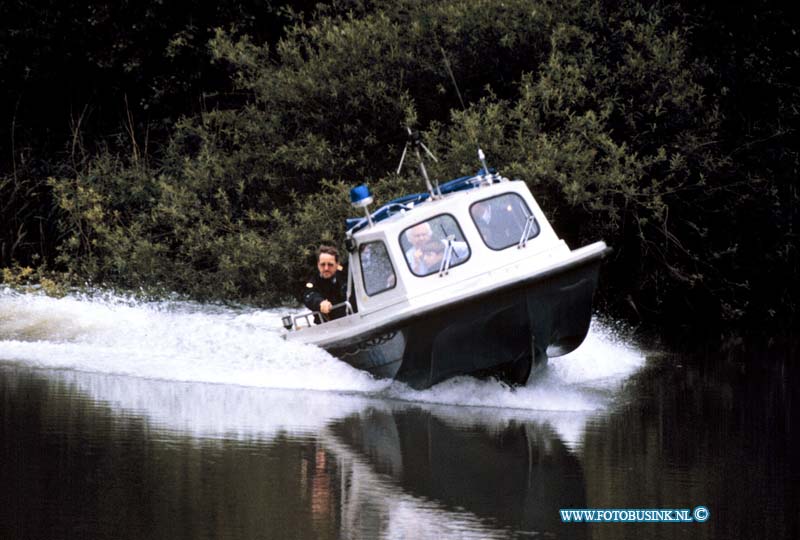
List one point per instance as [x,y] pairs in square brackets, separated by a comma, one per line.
[379,214]
[408,202]
[293,322]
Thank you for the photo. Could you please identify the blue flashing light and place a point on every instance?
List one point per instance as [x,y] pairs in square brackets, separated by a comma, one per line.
[360,196]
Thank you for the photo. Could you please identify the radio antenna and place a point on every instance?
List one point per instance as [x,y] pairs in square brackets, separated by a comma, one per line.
[481,155]
[452,77]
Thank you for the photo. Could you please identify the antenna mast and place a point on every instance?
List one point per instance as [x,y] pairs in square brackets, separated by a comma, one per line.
[481,155]
[415,140]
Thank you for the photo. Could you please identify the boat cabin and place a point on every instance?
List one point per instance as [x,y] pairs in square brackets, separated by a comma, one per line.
[413,249]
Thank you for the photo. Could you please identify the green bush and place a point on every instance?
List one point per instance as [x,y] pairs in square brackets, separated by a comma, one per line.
[618,115]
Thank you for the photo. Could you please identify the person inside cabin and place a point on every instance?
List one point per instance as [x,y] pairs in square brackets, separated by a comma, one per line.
[418,235]
[327,287]
[421,234]
[432,255]
[434,252]
[496,223]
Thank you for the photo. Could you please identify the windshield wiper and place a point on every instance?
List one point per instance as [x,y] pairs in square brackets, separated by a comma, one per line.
[526,232]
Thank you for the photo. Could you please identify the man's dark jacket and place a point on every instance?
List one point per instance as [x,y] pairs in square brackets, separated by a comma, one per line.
[334,290]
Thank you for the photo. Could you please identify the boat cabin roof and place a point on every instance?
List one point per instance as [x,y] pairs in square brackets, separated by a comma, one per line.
[407,202]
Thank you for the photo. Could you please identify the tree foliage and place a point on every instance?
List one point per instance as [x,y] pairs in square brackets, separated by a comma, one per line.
[663,128]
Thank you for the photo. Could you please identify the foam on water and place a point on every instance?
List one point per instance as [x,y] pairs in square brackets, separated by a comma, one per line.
[167,340]
[178,341]
[584,380]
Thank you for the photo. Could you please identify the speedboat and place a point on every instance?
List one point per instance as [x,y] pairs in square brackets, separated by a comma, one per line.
[468,278]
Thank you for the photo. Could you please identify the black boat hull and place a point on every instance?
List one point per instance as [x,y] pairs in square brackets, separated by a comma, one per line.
[503,332]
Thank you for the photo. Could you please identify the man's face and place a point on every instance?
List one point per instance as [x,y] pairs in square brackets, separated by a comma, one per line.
[419,235]
[326,265]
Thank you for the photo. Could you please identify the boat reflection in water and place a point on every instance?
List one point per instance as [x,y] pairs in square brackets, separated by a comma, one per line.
[497,477]
[258,463]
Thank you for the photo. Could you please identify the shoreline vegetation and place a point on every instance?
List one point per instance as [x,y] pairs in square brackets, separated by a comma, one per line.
[207,151]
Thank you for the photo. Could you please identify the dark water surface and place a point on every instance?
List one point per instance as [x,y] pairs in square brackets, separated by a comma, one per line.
[138,422]
[105,456]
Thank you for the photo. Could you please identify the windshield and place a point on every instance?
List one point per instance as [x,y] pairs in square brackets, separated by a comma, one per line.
[425,245]
[376,268]
[501,220]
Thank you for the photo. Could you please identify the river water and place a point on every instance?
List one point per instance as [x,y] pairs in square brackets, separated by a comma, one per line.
[124,419]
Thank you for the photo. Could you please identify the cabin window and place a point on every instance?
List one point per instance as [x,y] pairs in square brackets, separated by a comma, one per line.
[502,220]
[425,245]
[376,268]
